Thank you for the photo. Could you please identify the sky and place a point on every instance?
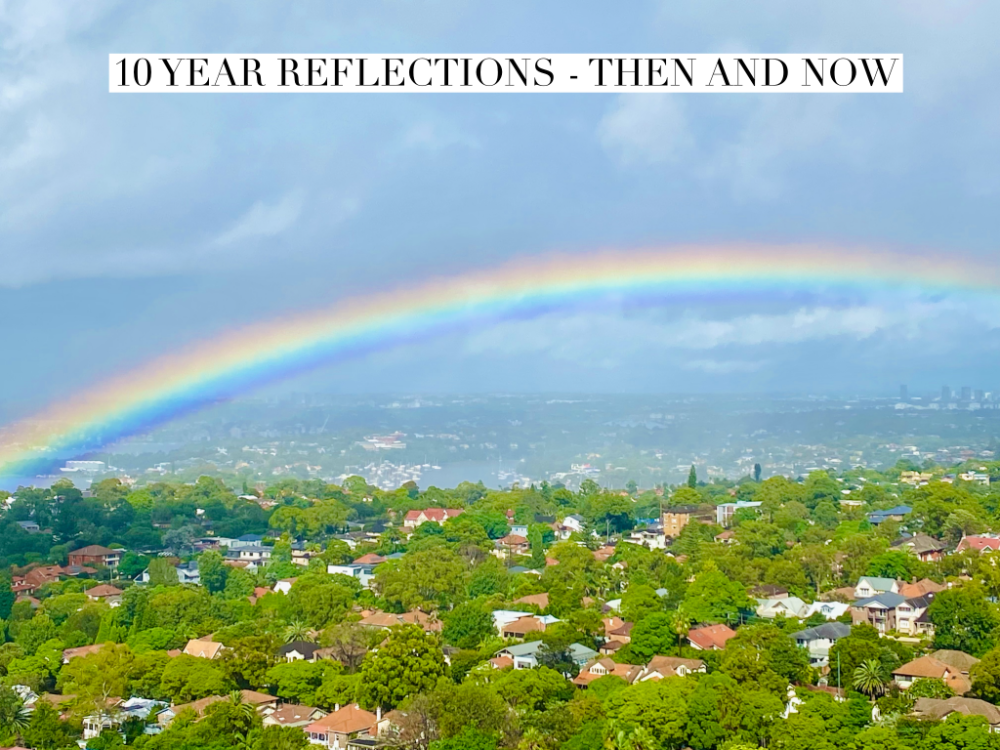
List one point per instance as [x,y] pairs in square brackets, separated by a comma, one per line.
[132,225]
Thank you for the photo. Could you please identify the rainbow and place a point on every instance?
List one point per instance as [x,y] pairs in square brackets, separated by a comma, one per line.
[239,360]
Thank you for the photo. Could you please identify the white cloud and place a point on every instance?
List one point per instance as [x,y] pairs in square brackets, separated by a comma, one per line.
[263,220]
[723,366]
[646,128]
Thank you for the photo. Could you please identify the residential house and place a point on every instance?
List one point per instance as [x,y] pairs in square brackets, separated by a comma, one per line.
[574,524]
[186,573]
[650,537]
[787,606]
[337,729]
[726,537]
[818,640]
[386,620]
[436,515]
[30,526]
[117,713]
[284,585]
[363,572]
[262,702]
[522,626]
[525,655]
[940,709]
[512,544]
[95,554]
[829,610]
[661,667]
[247,540]
[535,600]
[710,637]
[105,593]
[598,668]
[370,559]
[892,514]
[503,617]
[725,512]
[926,548]
[931,667]
[920,588]
[203,649]
[298,651]
[302,556]
[979,543]
[880,610]
[911,616]
[256,553]
[605,553]
[72,653]
[675,518]
[872,585]
[291,715]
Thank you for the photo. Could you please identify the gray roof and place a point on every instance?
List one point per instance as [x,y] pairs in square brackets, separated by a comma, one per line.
[888,600]
[830,631]
[879,584]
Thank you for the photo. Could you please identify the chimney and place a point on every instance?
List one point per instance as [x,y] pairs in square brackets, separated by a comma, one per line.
[336,707]
[378,714]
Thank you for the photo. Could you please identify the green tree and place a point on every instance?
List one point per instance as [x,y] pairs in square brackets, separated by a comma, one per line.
[162,572]
[188,678]
[468,625]
[986,677]
[407,663]
[712,597]
[298,681]
[964,620]
[7,598]
[692,478]
[213,571]
[870,678]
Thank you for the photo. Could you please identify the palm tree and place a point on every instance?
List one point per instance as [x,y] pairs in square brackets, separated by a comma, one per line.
[241,708]
[297,631]
[682,624]
[870,678]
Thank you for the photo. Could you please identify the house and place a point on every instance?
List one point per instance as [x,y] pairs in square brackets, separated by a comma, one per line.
[203,649]
[386,620]
[30,526]
[926,548]
[661,667]
[911,616]
[364,573]
[117,713]
[920,588]
[726,537]
[370,559]
[502,617]
[247,540]
[872,585]
[939,709]
[892,514]
[515,544]
[186,573]
[436,515]
[931,667]
[522,626]
[298,651]
[95,554]
[262,703]
[622,633]
[605,553]
[725,512]
[710,637]
[535,600]
[787,606]
[979,543]
[284,585]
[598,668]
[675,518]
[337,729]
[257,553]
[302,557]
[520,529]
[574,523]
[72,653]
[291,715]
[880,610]
[105,593]
[818,640]
[525,655]
[829,610]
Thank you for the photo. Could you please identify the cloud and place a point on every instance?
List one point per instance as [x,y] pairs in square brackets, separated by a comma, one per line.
[646,128]
[723,367]
[263,220]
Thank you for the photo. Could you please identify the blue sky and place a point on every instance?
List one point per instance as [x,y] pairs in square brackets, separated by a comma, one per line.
[131,224]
